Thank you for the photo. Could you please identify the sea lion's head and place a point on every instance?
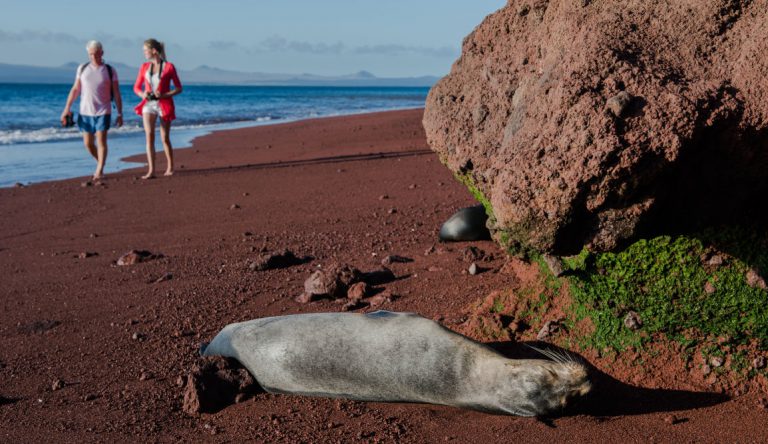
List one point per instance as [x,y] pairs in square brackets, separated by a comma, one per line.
[540,387]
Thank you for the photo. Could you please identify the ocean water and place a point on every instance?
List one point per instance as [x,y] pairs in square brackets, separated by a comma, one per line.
[34,147]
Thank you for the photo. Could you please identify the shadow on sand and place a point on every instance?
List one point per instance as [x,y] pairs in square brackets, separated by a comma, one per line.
[313,161]
[610,397]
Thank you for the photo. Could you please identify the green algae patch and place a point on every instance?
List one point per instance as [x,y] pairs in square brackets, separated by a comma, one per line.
[516,239]
[678,286]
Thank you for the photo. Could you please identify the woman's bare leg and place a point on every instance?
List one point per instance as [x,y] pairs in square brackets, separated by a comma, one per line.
[165,135]
[149,130]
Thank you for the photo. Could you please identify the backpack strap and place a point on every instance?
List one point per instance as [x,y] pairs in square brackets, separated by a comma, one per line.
[109,71]
[111,85]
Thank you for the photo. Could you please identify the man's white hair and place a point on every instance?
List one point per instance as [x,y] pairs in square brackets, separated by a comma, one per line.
[93,44]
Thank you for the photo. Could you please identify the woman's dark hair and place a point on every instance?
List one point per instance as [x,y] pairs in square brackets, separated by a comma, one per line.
[157,46]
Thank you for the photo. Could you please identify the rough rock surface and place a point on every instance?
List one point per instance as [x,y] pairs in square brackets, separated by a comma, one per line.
[214,383]
[587,123]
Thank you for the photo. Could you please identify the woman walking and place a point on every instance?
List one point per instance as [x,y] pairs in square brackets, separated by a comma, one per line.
[153,86]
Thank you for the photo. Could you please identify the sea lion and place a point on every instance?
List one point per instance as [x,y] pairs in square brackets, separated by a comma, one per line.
[397,357]
[467,224]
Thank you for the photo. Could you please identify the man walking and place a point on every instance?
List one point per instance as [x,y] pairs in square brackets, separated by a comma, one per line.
[97,85]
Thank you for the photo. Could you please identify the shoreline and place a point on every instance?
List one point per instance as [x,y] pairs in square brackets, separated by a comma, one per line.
[189,136]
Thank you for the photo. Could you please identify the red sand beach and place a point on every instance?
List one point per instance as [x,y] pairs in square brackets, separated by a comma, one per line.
[92,351]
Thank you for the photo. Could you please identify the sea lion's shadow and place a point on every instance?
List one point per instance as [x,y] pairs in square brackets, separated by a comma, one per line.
[611,397]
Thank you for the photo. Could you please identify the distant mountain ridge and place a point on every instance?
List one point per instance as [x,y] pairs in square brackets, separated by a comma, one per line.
[211,76]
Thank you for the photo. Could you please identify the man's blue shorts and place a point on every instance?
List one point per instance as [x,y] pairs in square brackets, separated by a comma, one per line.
[91,124]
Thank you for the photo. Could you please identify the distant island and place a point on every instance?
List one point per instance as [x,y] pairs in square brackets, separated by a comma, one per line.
[207,75]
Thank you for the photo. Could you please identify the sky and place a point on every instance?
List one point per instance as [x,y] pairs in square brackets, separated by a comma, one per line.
[390,38]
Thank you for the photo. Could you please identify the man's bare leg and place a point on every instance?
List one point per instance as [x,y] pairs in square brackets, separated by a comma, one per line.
[101,154]
[90,145]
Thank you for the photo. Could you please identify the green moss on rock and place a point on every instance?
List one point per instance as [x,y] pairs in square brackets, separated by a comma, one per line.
[675,289]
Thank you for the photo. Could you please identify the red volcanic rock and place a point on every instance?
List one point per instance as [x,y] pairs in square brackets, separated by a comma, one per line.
[214,383]
[333,281]
[357,291]
[579,120]
[136,256]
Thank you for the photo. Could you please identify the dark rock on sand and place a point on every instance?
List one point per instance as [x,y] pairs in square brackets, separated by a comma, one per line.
[467,224]
[393,258]
[136,256]
[593,125]
[279,259]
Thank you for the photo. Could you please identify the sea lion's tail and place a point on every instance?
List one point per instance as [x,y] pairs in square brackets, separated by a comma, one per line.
[221,345]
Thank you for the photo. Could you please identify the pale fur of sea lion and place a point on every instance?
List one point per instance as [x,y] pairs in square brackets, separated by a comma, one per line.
[397,357]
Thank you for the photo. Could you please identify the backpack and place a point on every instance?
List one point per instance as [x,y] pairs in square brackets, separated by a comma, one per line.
[109,71]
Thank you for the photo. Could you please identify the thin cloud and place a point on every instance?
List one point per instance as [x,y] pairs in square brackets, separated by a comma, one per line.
[67,39]
[279,44]
[396,50]
[40,36]
[221,45]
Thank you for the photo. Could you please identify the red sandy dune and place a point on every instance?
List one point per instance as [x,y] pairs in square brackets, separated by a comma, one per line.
[92,351]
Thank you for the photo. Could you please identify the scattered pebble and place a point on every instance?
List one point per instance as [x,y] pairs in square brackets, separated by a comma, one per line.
[758,363]
[89,397]
[392,211]
[754,280]
[632,321]
[86,254]
[357,291]
[671,419]
[381,299]
[163,278]
[393,258]
[138,336]
[549,328]
[619,103]
[709,288]
[473,269]
[716,361]
[86,184]
[706,369]
[278,259]
[383,197]
[135,256]
[145,376]
[555,264]
[715,260]
[234,207]
[57,384]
